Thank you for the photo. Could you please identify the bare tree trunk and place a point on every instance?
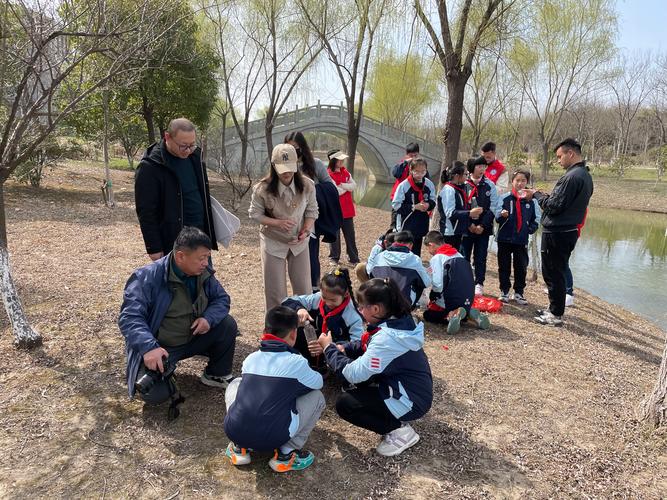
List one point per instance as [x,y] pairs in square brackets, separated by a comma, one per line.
[545,160]
[147,112]
[352,136]
[24,335]
[454,124]
[653,409]
[107,189]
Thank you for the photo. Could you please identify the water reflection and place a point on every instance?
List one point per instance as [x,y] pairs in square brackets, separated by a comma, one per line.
[621,256]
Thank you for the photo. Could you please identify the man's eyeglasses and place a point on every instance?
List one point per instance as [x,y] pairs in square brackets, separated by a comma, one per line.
[185,147]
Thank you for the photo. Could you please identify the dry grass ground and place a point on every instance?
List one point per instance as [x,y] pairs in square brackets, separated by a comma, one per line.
[520,410]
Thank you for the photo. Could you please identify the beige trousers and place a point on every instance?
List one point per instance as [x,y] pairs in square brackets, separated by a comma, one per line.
[275,281]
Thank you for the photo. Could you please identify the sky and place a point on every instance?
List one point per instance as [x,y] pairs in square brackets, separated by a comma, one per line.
[642,25]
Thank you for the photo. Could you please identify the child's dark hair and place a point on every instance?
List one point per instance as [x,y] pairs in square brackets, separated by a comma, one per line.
[434,237]
[413,147]
[280,321]
[338,281]
[520,171]
[403,237]
[417,161]
[456,168]
[473,162]
[389,238]
[385,292]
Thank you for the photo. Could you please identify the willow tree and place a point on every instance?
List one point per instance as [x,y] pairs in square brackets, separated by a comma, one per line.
[44,52]
[457,33]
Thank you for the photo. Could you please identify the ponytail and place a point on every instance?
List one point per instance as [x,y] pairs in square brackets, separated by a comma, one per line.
[385,292]
[456,168]
[338,281]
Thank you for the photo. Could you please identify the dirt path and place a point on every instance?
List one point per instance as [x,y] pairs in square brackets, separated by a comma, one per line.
[520,410]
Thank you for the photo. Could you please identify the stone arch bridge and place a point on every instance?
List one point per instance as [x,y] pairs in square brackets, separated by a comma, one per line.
[380,145]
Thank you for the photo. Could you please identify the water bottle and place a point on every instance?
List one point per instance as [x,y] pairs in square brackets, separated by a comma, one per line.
[473,202]
[309,332]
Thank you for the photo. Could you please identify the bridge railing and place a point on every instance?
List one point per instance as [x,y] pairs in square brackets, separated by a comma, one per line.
[289,119]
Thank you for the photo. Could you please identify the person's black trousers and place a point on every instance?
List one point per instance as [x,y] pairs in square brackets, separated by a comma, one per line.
[363,406]
[314,253]
[218,344]
[476,247]
[556,250]
[508,252]
[454,240]
[350,242]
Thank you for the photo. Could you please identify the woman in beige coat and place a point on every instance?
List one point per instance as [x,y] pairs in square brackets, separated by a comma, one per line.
[284,204]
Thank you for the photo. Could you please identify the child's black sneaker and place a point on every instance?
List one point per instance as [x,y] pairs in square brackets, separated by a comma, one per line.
[294,460]
[215,380]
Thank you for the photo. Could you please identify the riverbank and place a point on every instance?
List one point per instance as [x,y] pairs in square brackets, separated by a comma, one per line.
[520,410]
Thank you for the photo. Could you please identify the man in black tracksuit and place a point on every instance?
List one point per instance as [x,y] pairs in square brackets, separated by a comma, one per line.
[562,210]
[171,190]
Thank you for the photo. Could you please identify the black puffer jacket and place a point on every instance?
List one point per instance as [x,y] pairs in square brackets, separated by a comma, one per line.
[158,199]
[566,206]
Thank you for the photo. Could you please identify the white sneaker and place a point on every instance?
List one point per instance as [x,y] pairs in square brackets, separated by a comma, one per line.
[479,289]
[569,300]
[504,297]
[547,318]
[520,299]
[397,441]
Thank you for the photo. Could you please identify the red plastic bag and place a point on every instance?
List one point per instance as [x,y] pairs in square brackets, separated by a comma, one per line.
[487,304]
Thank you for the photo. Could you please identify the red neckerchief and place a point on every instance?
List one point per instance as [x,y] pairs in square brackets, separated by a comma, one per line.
[519,215]
[474,191]
[419,190]
[268,336]
[407,245]
[446,249]
[366,336]
[334,312]
[466,203]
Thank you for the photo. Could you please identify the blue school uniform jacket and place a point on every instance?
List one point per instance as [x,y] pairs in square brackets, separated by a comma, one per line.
[530,218]
[453,283]
[404,199]
[345,326]
[405,268]
[263,416]
[395,360]
[377,248]
[454,210]
[486,194]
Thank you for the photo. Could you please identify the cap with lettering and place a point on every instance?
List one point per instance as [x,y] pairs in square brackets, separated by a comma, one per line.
[284,158]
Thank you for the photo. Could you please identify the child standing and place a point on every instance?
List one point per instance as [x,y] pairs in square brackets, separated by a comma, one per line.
[454,207]
[519,218]
[481,193]
[391,354]
[276,402]
[404,267]
[452,288]
[345,185]
[332,309]
[413,200]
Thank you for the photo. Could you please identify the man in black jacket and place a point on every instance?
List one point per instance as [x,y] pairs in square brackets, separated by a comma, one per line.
[562,210]
[171,190]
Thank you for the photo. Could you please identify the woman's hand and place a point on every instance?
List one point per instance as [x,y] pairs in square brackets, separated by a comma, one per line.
[324,340]
[303,316]
[284,224]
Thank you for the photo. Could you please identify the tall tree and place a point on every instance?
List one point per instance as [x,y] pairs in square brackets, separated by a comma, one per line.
[563,45]
[41,51]
[349,33]
[400,88]
[463,32]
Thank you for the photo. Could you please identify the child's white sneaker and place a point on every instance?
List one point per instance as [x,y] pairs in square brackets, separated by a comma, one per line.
[569,300]
[504,297]
[479,289]
[520,299]
[397,441]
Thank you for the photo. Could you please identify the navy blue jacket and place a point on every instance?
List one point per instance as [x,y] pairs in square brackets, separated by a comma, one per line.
[330,217]
[530,217]
[486,194]
[405,268]
[453,282]
[146,299]
[454,211]
[263,416]
[395,360]
[405,198]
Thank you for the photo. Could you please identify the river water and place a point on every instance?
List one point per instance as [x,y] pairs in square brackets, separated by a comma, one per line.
[621,256]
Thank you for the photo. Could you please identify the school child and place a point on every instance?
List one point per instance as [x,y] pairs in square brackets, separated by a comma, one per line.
[452,288]
[388,367]
[481,193]
[456,214]
[331,309]
[277,401]
[518,219]
[363,269]
[413,201]
[404,267]
[345,185]
[400,171]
